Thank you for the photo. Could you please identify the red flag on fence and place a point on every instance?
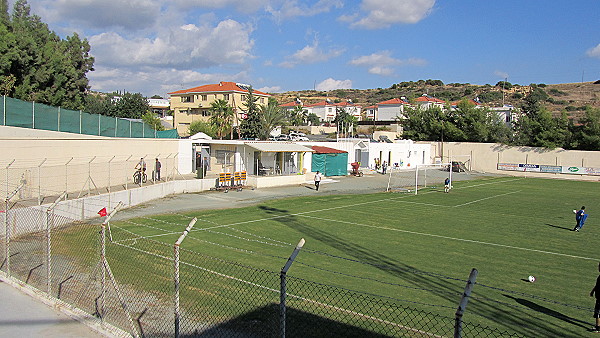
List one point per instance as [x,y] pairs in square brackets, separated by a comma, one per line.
[102,212]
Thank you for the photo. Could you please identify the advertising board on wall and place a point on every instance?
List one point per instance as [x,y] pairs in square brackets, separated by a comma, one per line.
[581,170]
[556,169]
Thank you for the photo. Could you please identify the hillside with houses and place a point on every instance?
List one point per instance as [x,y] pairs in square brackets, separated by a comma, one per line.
[572,98]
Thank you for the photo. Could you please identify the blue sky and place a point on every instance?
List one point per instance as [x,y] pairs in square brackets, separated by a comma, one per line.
[158,46]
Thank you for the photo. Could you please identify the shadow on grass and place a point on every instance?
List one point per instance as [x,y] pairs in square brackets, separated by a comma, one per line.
[264,322]
[558,227]
[504,314]
[549,312]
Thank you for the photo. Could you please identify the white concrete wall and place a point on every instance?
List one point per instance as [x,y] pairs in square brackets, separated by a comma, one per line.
[486,156]
[388,112]
[49,163]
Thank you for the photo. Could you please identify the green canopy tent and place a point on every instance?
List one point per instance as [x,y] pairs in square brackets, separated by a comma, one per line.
[329,161]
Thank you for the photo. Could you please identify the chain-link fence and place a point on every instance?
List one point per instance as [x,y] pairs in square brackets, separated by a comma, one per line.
[147,287]
[42,180]
[17,113]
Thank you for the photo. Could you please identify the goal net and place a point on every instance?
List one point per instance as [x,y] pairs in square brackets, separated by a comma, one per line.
[425,176]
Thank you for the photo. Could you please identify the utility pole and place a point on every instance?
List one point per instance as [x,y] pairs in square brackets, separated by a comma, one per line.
[503,83]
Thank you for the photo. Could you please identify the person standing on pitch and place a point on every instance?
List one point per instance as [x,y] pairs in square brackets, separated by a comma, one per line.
[447,184]
[317,180]
[596,292]
[580,217]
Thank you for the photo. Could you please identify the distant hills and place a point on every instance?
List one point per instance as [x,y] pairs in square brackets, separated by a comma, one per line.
[569,97]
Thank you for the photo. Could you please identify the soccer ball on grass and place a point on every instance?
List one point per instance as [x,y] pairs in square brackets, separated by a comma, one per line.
[531,279]
[574,211]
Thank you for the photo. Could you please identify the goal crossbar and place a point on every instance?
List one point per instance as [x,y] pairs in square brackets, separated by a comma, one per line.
[421,176]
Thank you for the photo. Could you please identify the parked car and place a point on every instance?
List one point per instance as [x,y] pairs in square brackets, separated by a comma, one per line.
[298,136]
[457,167]
[282,137]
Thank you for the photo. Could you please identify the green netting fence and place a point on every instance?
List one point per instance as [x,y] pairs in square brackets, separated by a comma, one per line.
[17,113]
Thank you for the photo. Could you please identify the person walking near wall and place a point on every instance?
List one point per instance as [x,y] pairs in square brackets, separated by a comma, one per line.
[157,166]
[317,180]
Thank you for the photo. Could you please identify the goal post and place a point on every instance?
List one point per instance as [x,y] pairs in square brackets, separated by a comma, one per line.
[422,176]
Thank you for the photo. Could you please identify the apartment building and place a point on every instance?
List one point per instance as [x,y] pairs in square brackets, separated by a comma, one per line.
[189,105]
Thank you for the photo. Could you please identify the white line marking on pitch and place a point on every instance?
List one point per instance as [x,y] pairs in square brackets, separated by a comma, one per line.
[319,210]
[452,238]
[487,198]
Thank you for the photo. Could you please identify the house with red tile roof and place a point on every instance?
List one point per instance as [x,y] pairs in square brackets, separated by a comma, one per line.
[351,108]
[390,110]
[426,102]
[476,103]
[325,110]
[194,104]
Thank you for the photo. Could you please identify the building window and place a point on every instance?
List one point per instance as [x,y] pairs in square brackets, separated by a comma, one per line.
[187,98]
[244,97]
[205,112]
[262,100]
[226,97]
[224,157]
[204,97]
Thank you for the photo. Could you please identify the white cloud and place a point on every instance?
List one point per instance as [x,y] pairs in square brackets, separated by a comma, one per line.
[310,54]
[382,63]
[272,89]
[292,8]
[594,52]
[150,81]
[186,46]
[385,13]
[131,15]
[331,84]
[501,74]
[246,6]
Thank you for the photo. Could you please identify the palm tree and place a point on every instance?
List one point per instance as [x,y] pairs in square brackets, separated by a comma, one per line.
[221,117]
[271,116]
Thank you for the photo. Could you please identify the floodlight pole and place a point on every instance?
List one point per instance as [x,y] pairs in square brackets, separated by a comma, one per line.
[176,274]
[283,292]
[463,304]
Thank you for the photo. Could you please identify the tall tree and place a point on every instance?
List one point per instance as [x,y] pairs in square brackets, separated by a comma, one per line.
[477,124]
[538,128]
[426,124]
[271,117]
[152,120]
[47,69]
[132,106]
[250,127]
[221,117]
[344,121]
[586,134]
[4,16]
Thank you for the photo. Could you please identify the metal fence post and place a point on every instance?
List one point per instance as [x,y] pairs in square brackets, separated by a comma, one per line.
[7,226]
[67,175]
[176,274]
[33,115]
[40,182]
[283,287]
[463,302]
[49,225]
[6,238]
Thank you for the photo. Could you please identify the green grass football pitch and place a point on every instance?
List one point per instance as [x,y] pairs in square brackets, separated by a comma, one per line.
[418,250]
